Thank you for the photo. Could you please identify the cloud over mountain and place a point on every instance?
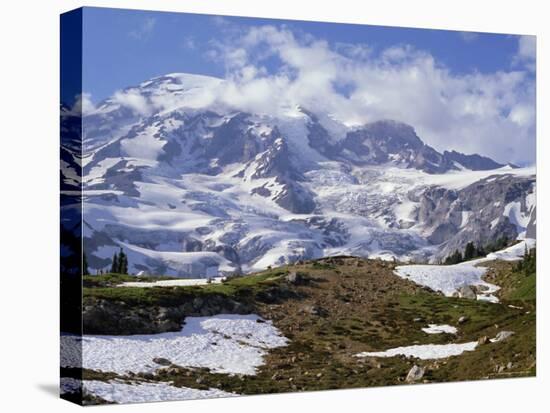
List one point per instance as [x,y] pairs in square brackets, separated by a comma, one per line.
[271,68]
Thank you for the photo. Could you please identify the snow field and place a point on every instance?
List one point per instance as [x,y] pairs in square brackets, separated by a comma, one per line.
[225,343]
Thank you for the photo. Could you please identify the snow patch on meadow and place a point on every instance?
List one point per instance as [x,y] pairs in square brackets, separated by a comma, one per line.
[424,351]
[513,253]
[445,278]
[450,278]
[225,343]
[119,392]
[439,328]
[173,283]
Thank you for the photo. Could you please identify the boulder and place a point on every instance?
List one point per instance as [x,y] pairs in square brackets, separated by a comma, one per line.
[467,291]
[297,278]
[315,310]
[463,319]
[483,340]
[415,374]
[162,361]
[502,335]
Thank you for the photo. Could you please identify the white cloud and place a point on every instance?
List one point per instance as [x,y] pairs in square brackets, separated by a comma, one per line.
[492,114]
[83,104]
[133,99]
[527,52]
[360,51]
[488,113]
[189,43]
[527,47]
[144,29]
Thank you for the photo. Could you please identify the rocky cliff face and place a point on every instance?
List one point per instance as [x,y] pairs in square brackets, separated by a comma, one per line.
[393,142]
[481,212]
[119,318]
[473,162]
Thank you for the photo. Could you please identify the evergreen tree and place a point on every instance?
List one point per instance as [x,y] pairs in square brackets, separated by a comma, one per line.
[122,262]
[480,251]
[454,258]
[469,251]
[528,265]
[85,270]
[115,264]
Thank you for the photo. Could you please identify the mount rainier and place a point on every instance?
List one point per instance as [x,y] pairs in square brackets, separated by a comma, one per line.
[191,191]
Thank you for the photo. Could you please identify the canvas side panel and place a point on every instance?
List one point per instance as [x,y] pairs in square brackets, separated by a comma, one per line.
[71,257]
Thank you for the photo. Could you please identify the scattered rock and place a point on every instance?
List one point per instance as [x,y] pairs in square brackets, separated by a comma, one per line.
[297,278]
[171,370]
[415,374]
[467,291]
[102,316]
[276,294]
[509,365]
[316,310]
[463,319]
[162,361]
[483,340]
[502,335]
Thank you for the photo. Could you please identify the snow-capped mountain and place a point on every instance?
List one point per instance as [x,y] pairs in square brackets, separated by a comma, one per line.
[191,190]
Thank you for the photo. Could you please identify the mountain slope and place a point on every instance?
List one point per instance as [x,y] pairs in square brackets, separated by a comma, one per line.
[191,190]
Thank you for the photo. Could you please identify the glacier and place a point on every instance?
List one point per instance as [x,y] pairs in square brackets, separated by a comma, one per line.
[196,189]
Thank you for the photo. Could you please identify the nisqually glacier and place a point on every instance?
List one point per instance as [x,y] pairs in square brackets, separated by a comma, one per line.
[201,192]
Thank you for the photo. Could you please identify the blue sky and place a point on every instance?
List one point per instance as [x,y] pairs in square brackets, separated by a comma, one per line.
[473,92]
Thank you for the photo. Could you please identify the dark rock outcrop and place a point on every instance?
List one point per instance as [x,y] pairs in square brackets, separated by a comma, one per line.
[118,318]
